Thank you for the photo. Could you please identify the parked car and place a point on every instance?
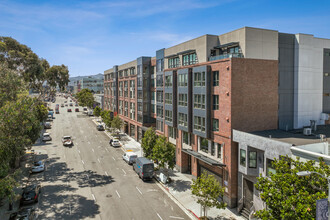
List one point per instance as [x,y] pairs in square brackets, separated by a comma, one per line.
[47,125]
[71,104]
[69,110]
[76,110]
[26,213]
[67,141]
[144,168]
[46,137]
[30,194]
[49,118]
[38,167]
[62,105]
[76,105]
[115,143]
[129,157]
[66,105]
[65,101]
[100,127]
[90,113]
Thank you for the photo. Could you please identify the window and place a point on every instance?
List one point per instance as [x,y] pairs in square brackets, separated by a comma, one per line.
[204,145]
[183,100]
[168,81]
[160,65]
[242,157]
[270,167]
[132,71]
[199,123]
[185,137]
[173,62]
[140,94]
[152,83]
[132,111]
[160,111]
[199,79]
[140,107]
[183,80]
[327,54]
[183,119]
[168,98]
[159,96]
[215,102]
[153,96]
[126,88]
[159,80]
[252,159]
[215,78]
[153,109]
[212,148]
[189,59]
[168,115]
[126,109]
[132,89]
[215,124]
[199,101]
[172,132]
[159,125]
[220,147]
[139,82]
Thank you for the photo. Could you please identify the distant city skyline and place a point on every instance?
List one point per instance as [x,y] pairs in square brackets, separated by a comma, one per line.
[92,36]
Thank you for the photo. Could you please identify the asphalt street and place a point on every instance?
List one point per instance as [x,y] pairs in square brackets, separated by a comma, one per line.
[90,180]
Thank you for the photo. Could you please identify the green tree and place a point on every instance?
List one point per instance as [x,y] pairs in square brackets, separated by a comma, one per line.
[105,115]
[97,111]
[117,123]
[85,98]
[164,153]
[207,191]
[148,142]
[289,196]
[57,76]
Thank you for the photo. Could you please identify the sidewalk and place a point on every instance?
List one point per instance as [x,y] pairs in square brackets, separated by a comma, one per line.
[179,188]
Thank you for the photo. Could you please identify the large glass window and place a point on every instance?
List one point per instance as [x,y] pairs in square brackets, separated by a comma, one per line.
[132,89]
[132,111]
[173,62]
[252,159]
[183,80]
[168,98]
[199,123]
[126,88]
[160,111]
[168,115]
[270,167]
[220,147]
[168,81]
[153,108]
[153,96]
[199,101]
[171,132]
[183,100]
[189,59]
[215,78]
[183,119]
[242,157]
[215,102]
[215,124]
[160,65]
[159,96]
[204,145]
[199,79]
[185,137]
[212,148]
[159,125]
[159,80]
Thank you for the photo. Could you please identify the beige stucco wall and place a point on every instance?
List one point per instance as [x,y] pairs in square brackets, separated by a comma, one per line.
[127,65]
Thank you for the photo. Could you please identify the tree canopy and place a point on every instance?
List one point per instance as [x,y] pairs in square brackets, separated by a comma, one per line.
[164,153]
[148,142]
[97,111]
[85,98]
[105,115]
[289,196]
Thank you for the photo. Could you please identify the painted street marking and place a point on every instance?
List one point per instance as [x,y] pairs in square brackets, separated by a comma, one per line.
[78,151]
[106,173]
[117,194]
[123,171]
[172,208]
[82,162]
[176,217]
[92,149]
[113,158]
[98,160]
[139,190]
[159,217]
[106,149]
[93,197]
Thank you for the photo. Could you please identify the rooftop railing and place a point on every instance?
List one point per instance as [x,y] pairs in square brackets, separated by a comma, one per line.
[224,56]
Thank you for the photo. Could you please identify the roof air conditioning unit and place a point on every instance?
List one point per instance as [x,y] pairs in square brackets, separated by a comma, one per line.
[307,131]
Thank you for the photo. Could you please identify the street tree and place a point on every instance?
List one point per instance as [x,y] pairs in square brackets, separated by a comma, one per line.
[207,190]
[148,142]
[57,75]
[97,111]
[289,196]
[164,153]
[117,123]
[85,98]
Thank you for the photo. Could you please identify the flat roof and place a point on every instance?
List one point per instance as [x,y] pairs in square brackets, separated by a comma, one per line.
[296,137]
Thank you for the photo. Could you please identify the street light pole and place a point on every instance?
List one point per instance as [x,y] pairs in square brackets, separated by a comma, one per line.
[308,173]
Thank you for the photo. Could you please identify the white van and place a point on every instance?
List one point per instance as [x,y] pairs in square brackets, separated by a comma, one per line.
[129,157]
[46,137]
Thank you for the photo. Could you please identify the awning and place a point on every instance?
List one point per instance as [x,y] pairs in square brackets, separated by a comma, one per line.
[203,158]
[171,56]
[231,44]
[186,51]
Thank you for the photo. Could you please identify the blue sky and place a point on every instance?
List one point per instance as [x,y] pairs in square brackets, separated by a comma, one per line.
[92,36]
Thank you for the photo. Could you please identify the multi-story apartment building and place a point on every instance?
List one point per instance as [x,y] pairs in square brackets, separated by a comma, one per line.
[196,93]
[92,83]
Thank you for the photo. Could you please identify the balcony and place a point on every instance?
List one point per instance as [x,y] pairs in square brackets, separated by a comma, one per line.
[225,56]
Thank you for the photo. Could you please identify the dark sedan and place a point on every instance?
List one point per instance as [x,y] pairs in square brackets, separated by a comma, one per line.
[69,110]
[100,128]
[30,194]
[77,110]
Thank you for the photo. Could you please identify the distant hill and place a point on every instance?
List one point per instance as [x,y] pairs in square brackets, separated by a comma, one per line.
[77,78]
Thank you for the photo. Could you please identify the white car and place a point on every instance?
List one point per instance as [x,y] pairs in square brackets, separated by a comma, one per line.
[115,143]
[38,167]
[129,157]
[46,137]
[67,141]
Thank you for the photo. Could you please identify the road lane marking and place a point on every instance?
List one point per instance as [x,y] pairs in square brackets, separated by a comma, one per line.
[159,217]
[106,173]
[176,217]
[78,151]
[98,160]
[123,171]
[93,197]
[82,162]
[138,190]
[106,149]
[113,158]
[92,149]
[117,194]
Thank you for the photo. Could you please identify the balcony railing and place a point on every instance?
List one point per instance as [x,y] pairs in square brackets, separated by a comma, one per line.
[224,56]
